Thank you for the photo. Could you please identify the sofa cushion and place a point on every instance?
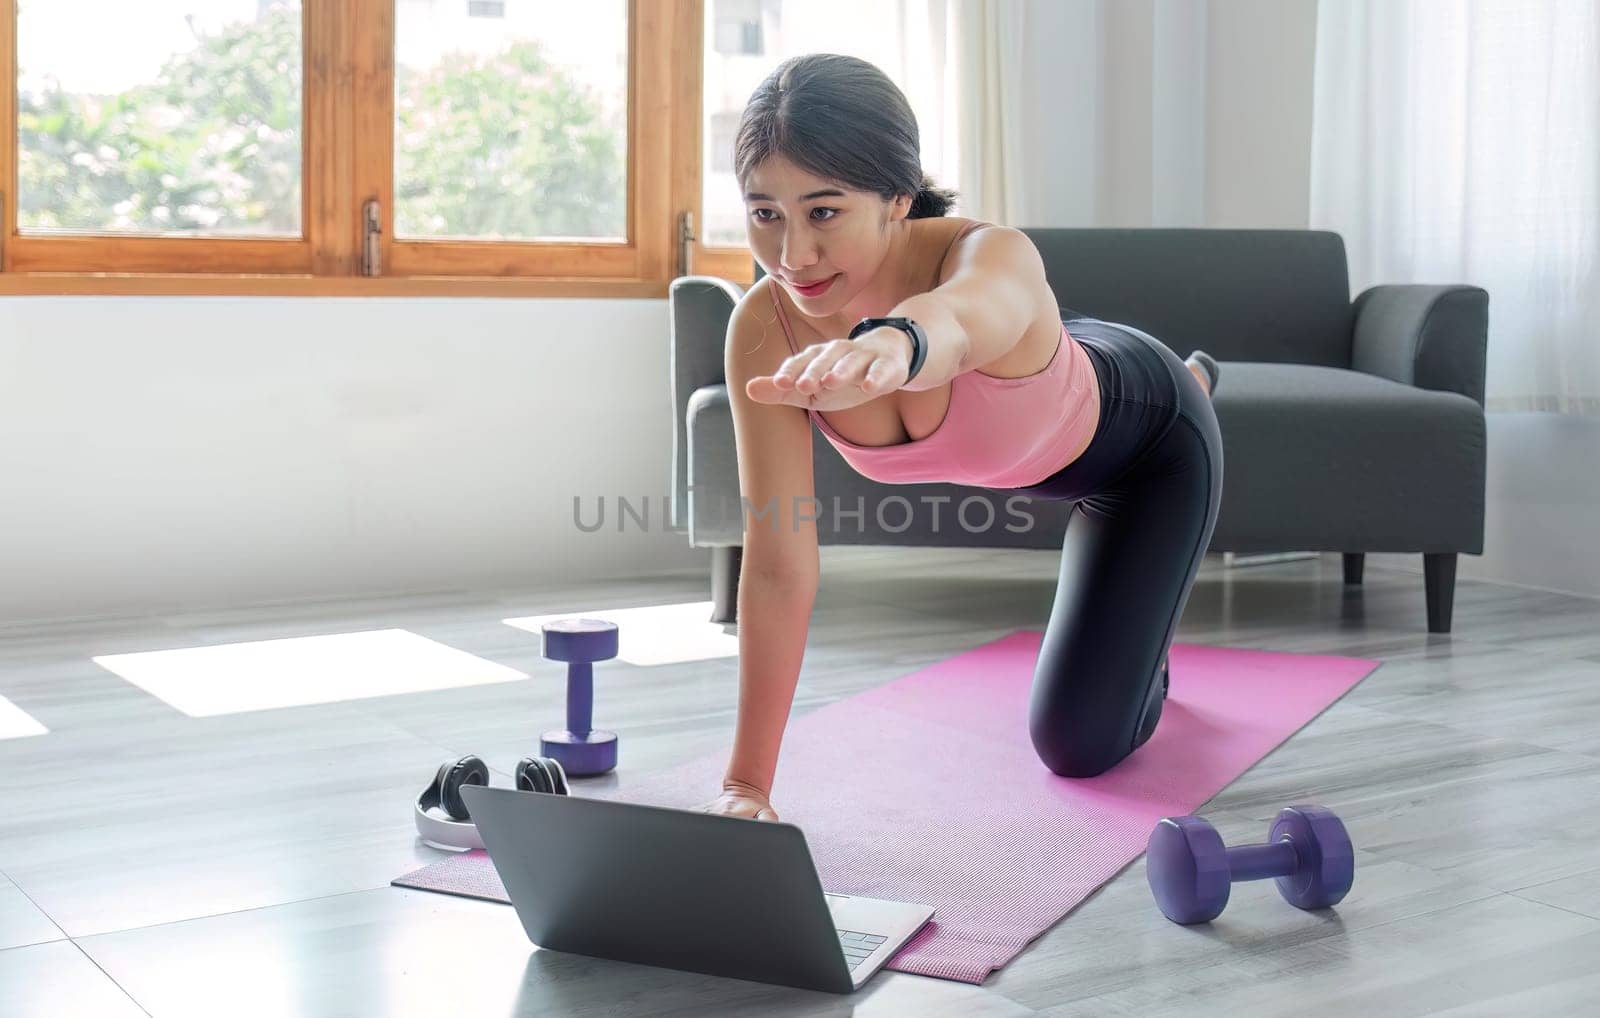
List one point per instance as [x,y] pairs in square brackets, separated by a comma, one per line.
[1366,463]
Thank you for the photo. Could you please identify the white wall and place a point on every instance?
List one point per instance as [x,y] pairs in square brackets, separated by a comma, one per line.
[166,453]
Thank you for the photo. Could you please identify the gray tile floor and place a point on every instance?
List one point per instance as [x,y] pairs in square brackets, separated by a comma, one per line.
[152,863]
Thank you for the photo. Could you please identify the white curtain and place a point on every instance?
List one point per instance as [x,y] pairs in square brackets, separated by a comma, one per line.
[1077,112]
[1458,141]
[993,119]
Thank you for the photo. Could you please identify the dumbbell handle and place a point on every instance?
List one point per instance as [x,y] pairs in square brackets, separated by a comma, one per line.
[580,697]
[1258,862]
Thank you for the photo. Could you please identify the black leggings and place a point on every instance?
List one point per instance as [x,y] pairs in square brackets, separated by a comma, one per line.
[1147,489]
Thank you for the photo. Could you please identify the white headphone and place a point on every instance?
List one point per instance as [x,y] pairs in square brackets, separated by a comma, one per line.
[455,828]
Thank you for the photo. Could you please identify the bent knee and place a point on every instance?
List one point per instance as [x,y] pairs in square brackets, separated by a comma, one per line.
[1085,757]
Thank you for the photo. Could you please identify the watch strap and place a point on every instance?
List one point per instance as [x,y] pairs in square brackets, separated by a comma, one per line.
[919,338]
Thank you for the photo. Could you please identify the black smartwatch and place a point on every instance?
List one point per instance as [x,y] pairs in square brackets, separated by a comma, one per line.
[919,339]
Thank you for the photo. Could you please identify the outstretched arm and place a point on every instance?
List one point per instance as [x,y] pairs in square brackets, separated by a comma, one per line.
[981,311]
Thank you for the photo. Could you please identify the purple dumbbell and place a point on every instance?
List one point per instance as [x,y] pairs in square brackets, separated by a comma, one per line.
[1191,870]
[580,643]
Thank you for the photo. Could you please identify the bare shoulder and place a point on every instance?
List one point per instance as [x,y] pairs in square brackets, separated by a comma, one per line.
[995,251]
[1006,241]
[756,344]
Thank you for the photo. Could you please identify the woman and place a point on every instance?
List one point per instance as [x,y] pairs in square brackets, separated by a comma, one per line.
[1002,394]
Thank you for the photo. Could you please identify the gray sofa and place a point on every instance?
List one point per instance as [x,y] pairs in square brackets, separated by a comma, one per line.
[1347,425]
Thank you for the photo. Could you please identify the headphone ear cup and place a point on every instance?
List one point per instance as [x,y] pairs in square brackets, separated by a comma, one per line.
[541,774]
[532,777]
[469,770]
[558,774]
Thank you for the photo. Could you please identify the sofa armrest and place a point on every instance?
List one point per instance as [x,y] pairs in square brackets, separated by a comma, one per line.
[701,307]
[1426,335]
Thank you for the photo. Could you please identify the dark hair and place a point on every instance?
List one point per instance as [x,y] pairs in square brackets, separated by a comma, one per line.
[840,118]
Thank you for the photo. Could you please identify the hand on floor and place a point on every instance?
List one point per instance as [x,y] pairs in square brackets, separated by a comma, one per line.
[741,800]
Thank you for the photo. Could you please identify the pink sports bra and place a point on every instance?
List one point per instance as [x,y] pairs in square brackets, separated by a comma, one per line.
[997,432]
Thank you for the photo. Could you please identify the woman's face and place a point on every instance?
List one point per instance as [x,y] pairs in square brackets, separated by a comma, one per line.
[804,229]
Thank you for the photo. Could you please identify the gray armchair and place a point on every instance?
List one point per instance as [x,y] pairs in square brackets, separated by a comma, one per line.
[1350,426]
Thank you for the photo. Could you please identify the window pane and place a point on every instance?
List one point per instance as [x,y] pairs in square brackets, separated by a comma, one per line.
[511,119]
[747,39]
[169,116]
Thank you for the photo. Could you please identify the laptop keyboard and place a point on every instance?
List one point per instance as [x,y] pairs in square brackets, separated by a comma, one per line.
[857,946]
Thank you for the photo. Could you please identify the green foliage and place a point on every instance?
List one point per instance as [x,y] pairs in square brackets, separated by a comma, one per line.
[506,145]
[212,144]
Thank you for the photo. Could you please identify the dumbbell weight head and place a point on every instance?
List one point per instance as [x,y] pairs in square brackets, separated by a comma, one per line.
[1187,866]
[579,642]
[1328,860]
[1191,871]
[593,752]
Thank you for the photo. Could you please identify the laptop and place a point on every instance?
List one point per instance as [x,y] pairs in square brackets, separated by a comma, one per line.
[681,889]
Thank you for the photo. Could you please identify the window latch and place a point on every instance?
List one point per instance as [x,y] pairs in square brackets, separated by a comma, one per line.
[685,243]
[371,230]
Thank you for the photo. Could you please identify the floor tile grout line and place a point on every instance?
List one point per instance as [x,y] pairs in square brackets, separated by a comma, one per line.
[1546,904]
[1595,872]
[131,998]
[231,912]
[36,907]
[171,922]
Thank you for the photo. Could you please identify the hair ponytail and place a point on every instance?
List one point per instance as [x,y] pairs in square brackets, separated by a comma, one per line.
[931,201]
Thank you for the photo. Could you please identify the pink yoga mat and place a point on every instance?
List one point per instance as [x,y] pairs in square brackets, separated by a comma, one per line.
[928,789]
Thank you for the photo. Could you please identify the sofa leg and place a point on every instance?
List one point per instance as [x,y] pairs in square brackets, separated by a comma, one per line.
[1353,561]
[1439,580]
[725,561]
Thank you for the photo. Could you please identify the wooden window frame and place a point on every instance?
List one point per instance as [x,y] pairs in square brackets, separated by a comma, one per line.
[347,146]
